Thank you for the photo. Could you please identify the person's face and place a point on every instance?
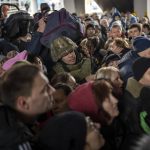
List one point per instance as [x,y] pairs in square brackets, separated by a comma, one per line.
[69,59]
[41,98]
[116,32]
[134,32]
[90,32]
[116,80]
[60,99]
[145,53]
[146,31]
[144,20]
[94,138]
[146,78]
[104,23]
[113,63]
[39,63]
[110,106]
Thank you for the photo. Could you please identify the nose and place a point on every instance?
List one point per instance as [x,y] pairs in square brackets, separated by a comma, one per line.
[121,81]
[114,99]
[51,90]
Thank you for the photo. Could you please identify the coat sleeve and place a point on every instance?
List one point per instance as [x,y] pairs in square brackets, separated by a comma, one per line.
[35,45]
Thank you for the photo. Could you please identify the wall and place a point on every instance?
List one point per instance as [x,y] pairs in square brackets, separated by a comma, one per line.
[148,8]
[140,7]
[70,5]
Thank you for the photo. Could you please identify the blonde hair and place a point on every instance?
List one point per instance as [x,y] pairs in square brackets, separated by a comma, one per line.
[106,72]
[121,43]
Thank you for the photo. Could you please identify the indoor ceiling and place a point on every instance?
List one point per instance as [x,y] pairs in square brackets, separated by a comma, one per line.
[121,5]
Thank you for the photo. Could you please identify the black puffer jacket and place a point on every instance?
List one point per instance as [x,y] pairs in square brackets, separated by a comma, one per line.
[13,133]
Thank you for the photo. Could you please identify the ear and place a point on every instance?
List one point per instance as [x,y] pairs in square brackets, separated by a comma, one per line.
[22,103]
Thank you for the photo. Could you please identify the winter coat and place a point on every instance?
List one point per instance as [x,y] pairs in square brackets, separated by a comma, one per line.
[125,64]
[129,113]
[80,70]
[35,45]
[14,135]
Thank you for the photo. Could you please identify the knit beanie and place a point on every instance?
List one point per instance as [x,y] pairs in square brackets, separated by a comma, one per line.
[66,131]
[111,57]
[60,46]
[141,43]
[140,66]
[82,99]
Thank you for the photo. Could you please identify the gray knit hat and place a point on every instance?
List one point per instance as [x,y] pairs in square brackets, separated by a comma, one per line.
[61,46]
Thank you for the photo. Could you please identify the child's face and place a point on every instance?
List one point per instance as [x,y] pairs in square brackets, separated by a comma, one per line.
[60,100]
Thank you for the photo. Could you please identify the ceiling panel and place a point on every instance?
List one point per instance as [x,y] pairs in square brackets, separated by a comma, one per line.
[121,5]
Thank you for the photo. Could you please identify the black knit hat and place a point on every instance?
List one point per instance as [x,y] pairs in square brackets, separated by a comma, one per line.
[112,57]
[66,131]
[140,66]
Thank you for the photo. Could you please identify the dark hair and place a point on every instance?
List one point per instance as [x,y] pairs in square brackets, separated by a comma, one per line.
[62,77]
[146,25]
[66,88]
[18,81]
[110,58]
[109,41]
[44,7]
[122,43]
[102,88]
[136,25]
[66,131]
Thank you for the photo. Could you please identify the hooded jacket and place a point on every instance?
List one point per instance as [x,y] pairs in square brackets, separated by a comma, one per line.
[80,70]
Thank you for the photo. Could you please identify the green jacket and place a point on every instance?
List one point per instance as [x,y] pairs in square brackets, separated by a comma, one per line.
[79,70]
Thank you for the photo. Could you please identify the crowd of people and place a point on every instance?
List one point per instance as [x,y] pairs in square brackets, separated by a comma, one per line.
[89,94]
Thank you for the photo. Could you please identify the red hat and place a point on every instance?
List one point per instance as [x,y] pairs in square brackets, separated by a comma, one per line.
[82,99]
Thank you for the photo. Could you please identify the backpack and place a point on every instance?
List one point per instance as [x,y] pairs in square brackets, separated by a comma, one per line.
[17,24]
[61,23]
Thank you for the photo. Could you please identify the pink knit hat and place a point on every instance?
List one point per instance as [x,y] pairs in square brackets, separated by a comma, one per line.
[83,100]
[20,56]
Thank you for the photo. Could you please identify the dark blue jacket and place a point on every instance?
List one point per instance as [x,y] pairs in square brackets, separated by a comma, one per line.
[125,64]
[35,45]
